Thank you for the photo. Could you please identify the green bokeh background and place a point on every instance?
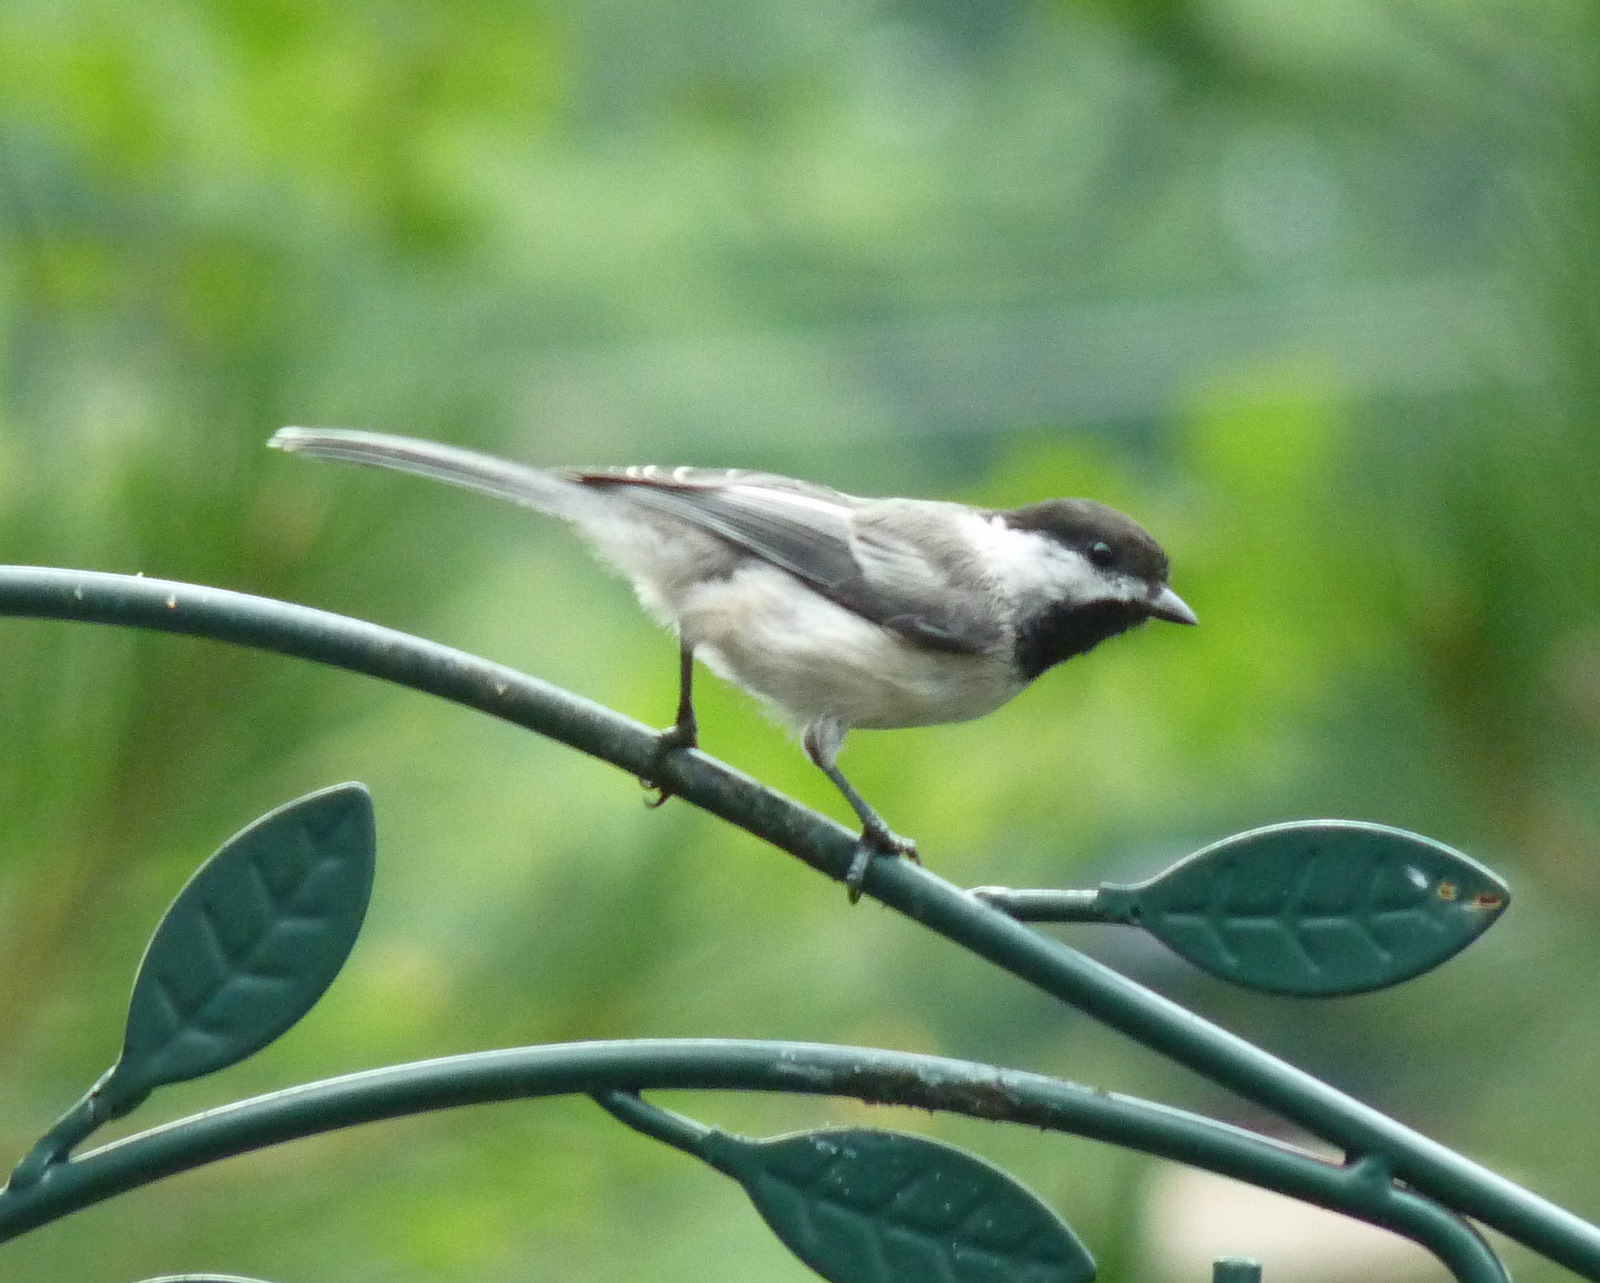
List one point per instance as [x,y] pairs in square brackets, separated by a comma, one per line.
[1312,290]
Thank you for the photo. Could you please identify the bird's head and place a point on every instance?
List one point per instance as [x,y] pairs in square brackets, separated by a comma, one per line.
[1083,573]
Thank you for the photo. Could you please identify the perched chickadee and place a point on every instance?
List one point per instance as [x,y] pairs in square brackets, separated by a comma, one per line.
[838,611]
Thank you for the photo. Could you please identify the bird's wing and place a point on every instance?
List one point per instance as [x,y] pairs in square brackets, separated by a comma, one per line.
[832,542]
[927,581]
[803,528]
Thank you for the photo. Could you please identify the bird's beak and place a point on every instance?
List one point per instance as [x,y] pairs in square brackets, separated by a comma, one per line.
[1167,605]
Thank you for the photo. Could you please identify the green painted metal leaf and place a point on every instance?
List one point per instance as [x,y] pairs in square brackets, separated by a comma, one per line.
[867,1206]
[249,944]
[1316,908]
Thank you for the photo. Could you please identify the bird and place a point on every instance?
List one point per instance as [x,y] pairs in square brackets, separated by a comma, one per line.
[838,612]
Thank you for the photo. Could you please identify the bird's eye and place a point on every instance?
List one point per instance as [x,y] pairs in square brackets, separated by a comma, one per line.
[1101,553]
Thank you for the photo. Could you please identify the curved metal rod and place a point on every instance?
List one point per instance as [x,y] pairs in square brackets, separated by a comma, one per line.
[879,1077]
[1158,1023]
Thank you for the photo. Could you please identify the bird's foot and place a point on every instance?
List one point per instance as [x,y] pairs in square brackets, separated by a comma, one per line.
[876,840]
[677,736]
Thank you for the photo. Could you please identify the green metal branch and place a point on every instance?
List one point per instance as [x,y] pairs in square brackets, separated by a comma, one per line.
[1361,1131]
[879,1077]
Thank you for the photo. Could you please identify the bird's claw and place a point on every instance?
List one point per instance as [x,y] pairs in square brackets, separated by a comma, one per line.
[876,840]
[678,736]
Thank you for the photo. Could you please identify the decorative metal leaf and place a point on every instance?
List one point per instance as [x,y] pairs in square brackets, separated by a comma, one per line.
[867,1206]
[1316,908]
[250,944]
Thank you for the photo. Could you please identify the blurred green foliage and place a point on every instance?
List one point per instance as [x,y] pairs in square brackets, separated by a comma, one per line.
[1311,290]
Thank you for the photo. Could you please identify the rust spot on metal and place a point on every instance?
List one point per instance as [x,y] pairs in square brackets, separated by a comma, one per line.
[990,1099]
[1488,900]
[1449,891]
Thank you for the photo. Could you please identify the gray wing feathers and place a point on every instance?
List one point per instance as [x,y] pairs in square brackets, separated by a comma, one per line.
[843,547]
[920,579]
[804,530]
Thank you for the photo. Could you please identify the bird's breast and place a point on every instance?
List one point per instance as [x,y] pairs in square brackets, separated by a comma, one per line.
[809,657]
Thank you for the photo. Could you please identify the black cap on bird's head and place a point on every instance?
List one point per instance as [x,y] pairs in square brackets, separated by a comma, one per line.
[1129,584]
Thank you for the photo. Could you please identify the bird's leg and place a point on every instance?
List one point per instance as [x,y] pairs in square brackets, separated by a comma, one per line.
[685,731]
[823,739]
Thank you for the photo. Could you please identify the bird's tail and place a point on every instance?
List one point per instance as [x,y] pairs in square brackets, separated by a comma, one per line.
[532,487]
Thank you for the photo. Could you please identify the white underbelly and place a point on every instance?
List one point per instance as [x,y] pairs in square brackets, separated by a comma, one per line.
[810,657]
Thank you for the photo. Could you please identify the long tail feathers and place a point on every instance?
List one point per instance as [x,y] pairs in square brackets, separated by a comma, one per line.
[528,486]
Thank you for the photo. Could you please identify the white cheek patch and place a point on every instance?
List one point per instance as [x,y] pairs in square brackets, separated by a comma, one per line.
[1030,566]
